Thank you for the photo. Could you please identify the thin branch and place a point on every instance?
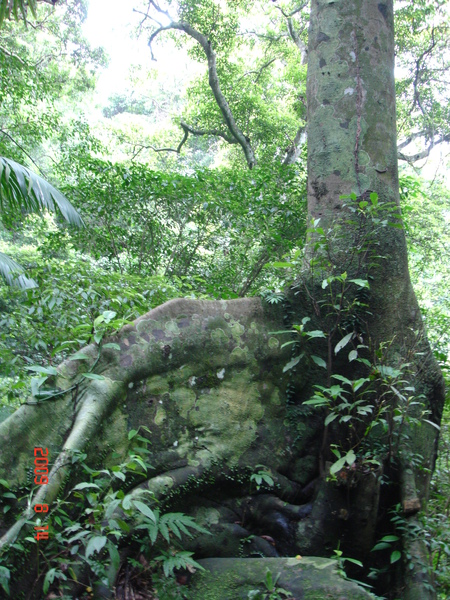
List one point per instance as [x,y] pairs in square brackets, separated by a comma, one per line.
[294,12]
[297,40]
[264,36]
[146,16]
[213,132]
[160,10]
[23,150]
[257,71]
[142,147]
[426,152]
[213,83]
[155,34]
[187,129]
[410,138]
[255,271]
[417,99]
[11,55]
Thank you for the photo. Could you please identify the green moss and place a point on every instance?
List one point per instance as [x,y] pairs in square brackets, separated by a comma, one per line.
[157,385]
[172,328]
[218,335]
[310,578]
[184,399]
[273,342]
[160,416]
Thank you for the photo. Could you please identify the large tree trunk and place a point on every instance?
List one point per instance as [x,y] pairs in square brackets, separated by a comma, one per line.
[207,378]
[352,155]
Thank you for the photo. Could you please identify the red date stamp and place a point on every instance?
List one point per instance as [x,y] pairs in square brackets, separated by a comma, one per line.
[41,478]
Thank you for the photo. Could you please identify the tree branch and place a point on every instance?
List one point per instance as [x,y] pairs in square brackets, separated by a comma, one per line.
[410,138]
[11,55]
[296,39]
[426,152]
[215,132]
[213,83]
[3,132]
[187,129]
[258,71]
[293,151]
[263,36]
[293,12]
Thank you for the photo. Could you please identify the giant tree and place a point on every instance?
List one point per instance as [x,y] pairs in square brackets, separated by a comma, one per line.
[312,438]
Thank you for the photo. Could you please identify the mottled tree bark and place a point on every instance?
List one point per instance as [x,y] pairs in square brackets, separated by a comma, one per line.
[352,149]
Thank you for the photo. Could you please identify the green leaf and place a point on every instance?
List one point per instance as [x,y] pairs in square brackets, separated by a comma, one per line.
[352,355]
[395,556]
[12,273]
[145,510]
[288,344]
[292,363]
[108,315]
[5,575]
[342,378]
[126,502]
[360,282]
[381,546]
[330,418]
[350,457]
[319,361]
[20,185]
[317,333]
[111,345]
[358,383]
[337,466]
[280,265]
[85,485]
[49,579]
[345,340]
[98,320]
[354,561]
[95,544]
[93,376]
[79,356]
[114,556]
[45,370]
[316,401]
[432,424]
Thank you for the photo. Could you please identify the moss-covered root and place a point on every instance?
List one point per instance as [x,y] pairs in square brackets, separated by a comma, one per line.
[92,410]
[417,573]
[215,335]
[309,578]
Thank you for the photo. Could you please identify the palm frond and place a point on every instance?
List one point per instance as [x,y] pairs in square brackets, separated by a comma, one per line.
[12,273]
[17,5]
[22,188]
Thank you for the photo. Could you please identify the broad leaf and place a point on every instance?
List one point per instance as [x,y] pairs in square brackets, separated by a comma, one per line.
[345,340]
